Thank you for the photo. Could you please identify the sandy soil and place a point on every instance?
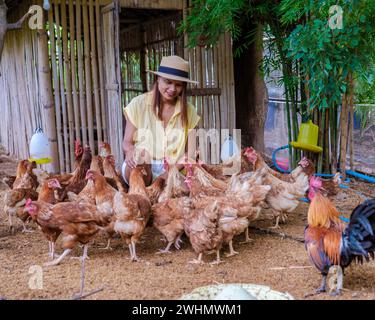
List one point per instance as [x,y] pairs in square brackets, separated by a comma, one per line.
[170,276]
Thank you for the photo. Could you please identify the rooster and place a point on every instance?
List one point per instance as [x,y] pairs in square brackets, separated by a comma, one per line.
[331,242]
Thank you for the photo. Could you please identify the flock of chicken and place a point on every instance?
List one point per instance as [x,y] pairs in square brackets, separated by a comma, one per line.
[210,207]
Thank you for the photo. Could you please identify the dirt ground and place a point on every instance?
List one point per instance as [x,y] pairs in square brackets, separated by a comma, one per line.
[268,260]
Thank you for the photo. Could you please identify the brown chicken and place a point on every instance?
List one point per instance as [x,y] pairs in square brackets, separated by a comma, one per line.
[77,223]
[78,182]
[28,180]
[168,218]
[234,165]
[200,182]
[101,195]
[330,187]
[132,210]
[21,170]
[284,197]
[14,202]
[305,166]
[78,153]
[202,227]
[112,176]
[87,194]
[175,185]
[104,149]
[238,207]
[155,189]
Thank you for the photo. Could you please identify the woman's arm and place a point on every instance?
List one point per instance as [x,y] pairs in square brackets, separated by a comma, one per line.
[128,144]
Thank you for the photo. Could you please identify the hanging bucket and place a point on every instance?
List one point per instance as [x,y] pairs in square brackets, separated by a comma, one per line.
[40,148]
[308,138]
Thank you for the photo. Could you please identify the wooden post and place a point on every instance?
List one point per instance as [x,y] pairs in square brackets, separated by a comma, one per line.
[46,97]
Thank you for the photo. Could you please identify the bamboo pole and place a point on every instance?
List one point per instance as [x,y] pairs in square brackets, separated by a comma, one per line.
[73,67]
[326,159]
[344,130]
[68,84]
[62,89]
[56,89]
[46,97]
[333,131]
[94,64]
[89,105]
[101,71]
[351,110]
[322,123]
[81,79]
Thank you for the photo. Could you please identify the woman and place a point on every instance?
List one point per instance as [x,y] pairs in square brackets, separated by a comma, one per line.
[157,122]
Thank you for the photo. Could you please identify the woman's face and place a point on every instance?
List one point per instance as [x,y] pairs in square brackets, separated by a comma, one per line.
[169,89]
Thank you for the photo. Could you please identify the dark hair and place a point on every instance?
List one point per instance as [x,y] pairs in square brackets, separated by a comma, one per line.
[156,103]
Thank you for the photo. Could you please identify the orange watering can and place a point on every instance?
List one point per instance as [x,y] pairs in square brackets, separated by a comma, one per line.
[308,138]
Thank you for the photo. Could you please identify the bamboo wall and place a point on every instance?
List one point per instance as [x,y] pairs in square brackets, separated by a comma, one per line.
[20,101]
[77,76]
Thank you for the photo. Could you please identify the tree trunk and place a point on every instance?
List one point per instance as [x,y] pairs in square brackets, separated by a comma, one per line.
[250,91]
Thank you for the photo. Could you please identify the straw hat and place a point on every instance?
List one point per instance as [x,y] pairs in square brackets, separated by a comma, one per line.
[174,68]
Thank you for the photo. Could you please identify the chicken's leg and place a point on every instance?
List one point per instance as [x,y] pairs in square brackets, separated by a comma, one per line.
[11,227]
[108,247]
[25,229]
[51,249]
[276,226]
[177,242]
[84,256]
[134,258]
[322,287]
[166,250]
[130,251]
[58,260]
[217,261]
[231,250]
[199,260]
[247,238]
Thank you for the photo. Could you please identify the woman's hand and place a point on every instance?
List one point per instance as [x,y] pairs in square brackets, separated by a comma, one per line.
[129,157]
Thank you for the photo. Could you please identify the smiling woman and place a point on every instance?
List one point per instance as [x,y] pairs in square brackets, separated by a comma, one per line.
[158,122]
